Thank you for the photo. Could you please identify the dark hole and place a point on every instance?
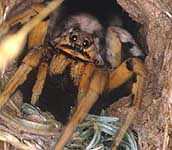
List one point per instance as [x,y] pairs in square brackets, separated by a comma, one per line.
[58,101]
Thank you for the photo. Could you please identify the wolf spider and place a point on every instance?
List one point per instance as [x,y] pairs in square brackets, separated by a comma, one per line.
[94,67]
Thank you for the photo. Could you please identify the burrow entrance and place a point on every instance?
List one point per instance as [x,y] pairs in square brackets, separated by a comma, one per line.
[55,100]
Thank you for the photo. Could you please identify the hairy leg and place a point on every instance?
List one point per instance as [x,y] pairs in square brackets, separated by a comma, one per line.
[96,87]
[118,77]
[137,93]
[41,76]
[30,61]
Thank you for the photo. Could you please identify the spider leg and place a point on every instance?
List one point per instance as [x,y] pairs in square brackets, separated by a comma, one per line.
[121,75]
[137,93]
[30,61]
[96,87]
[36,37]
[124,72]
[113,46]
[85,80]
[41,76]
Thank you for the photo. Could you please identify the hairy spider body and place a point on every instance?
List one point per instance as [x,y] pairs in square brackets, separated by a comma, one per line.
[95,60]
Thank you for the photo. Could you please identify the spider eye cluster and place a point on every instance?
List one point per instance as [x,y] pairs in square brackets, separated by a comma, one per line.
[85,43]
[73,38]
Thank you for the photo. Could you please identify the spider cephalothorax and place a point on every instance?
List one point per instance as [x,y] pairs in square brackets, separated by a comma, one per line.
[82,44]
[76,47]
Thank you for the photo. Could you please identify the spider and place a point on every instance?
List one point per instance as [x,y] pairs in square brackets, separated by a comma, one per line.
[94,56]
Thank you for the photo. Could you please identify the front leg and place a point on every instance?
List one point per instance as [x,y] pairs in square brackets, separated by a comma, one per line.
[137,96]
[30,61]
[118,77]
[96,87]
[124,72]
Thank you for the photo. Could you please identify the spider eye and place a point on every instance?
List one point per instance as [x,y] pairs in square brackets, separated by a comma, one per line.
[86,44]
[73,38]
